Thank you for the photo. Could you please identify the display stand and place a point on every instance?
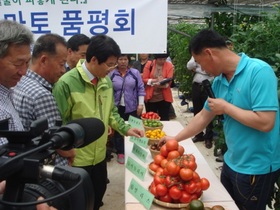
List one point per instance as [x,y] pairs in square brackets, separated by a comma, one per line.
[215,195]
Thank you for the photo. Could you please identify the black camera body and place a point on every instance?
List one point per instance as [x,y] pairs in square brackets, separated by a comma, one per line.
[25,162]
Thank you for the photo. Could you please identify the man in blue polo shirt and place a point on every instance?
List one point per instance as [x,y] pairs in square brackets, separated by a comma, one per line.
[246,95]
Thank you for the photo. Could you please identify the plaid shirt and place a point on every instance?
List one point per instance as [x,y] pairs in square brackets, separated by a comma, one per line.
[33,100]
[7,111]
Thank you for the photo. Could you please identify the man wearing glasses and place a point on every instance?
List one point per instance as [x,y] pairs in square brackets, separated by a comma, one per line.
[87,91]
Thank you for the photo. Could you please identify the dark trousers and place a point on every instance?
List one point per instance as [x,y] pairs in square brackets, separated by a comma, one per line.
[250,192]
[161,107]
[118,138]
[98,175]
[199,96]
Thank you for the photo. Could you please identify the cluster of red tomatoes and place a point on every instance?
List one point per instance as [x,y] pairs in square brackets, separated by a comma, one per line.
[150,115]
[175,179]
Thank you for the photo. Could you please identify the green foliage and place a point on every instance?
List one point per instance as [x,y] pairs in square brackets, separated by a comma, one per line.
[257,36]
[260,40]
[179,53]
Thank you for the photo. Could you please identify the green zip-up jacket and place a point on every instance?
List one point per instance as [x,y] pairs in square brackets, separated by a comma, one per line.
[78,98]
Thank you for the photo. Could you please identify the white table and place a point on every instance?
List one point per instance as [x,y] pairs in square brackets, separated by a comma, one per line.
[216,194]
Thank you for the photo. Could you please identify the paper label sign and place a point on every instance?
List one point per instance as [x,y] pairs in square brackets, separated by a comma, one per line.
[136,168]
[139,152]
[141,194]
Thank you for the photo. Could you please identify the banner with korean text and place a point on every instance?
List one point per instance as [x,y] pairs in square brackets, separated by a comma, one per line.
[138,26]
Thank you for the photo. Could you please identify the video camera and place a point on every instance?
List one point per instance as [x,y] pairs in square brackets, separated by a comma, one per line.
[26,163]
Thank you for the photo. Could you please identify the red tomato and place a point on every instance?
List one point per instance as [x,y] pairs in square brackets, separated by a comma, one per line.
[186,174]
[171,181]
[172,168]
[205,184]
[166,198]
[192,165]
[181,150]
[163,163]
[159,171]
[185,198]
[172,145]
[159,179]
[152,189]
[198,185]
[158,158]
[175,192]
[190,187]
[196,177]
[173,155]
[163,151]
[153,166]
[161,189]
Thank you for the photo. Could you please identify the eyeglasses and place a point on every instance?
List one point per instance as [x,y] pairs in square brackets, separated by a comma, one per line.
[111,67]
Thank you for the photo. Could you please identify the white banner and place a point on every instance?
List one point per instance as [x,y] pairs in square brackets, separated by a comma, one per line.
[138,26]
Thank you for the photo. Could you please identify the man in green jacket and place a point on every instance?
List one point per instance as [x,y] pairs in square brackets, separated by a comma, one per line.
[78,96]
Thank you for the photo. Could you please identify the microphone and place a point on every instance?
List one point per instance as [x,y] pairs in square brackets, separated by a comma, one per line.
[58,173]
[207,86]
[78,133]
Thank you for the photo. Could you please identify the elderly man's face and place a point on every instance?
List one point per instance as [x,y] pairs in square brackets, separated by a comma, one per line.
[14,65]
[206,60]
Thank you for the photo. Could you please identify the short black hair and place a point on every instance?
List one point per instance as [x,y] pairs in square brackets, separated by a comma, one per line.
[77,40]
[206,38]
[126,55]
[102,47]
[47,44]
[162,55]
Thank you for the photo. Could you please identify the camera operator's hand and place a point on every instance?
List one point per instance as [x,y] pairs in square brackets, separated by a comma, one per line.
[2,187]
[44,206]
[69,154]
